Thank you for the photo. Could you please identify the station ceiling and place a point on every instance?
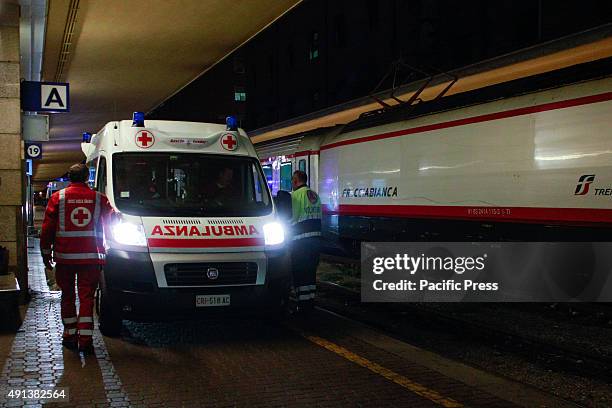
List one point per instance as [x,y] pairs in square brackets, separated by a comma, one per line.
[120,56]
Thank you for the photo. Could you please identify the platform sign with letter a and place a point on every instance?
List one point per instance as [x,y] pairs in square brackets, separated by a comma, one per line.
[45,96]
[33,151]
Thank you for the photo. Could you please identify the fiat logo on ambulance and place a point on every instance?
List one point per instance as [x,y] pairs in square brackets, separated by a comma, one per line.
[212,273]
[229,142]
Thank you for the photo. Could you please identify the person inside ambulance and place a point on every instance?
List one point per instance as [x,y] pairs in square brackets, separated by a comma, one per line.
[143,184]
[72,238]
[223,190]
[153,190]
[305,246]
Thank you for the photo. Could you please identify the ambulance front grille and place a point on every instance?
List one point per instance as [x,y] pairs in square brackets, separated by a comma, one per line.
[181,221]
[223,221]
[197,274]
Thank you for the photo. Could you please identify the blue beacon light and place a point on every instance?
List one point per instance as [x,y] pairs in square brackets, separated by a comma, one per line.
[86,137]
[231,122]
[138,119]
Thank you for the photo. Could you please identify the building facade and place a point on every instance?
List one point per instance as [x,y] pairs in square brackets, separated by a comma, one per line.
[326,52]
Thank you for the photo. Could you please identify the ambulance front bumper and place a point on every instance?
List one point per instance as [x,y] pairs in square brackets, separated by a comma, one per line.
[133,287]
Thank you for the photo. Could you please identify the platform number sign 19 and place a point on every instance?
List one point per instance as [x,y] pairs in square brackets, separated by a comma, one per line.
[33,151]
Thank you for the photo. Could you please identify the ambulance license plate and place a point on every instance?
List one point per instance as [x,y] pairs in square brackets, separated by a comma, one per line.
[212,300]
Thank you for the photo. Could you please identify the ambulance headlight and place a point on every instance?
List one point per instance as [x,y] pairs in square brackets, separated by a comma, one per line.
[274,233]
[126,233]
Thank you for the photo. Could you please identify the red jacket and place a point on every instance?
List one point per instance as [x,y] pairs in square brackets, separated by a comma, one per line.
[73,225]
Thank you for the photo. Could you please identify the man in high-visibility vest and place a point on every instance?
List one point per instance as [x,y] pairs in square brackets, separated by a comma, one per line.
[305,246]
[72,237]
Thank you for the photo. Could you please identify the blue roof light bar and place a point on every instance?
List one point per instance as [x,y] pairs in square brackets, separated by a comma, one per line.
[138,119]
[231,122]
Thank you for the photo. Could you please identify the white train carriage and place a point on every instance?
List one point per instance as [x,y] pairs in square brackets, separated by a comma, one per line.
[280,158]
[499,163]
[197,228]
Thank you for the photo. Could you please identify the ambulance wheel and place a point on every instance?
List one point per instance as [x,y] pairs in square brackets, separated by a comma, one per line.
[110,321]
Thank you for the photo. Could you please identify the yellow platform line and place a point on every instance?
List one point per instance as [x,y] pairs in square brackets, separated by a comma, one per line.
[410,385]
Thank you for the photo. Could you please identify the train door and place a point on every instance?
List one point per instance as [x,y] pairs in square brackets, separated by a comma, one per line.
[278,171]
[308,163]
[313,171]
[286,171]
[302,163]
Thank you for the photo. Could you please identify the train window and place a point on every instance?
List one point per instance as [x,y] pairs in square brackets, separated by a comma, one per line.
[285,176]
[302,165]
[101,183]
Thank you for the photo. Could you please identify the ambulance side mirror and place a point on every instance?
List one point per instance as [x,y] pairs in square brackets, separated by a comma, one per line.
[283,204]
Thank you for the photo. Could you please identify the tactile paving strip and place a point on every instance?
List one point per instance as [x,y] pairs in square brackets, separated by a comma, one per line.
[38,358]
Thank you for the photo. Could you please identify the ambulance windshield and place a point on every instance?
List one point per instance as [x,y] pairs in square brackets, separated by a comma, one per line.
[188,184]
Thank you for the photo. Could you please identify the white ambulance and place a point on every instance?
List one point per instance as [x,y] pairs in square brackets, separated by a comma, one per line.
[196,227]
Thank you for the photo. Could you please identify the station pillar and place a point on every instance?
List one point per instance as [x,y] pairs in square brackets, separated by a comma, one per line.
[12,184]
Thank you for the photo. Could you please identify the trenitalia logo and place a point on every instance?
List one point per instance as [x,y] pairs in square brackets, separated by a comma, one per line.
[584,182]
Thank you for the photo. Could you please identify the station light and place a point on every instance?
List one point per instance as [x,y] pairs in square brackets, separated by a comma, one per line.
[138,119]
[231,122]
[86,137]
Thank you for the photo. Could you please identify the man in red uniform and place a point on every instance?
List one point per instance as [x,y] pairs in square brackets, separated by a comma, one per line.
[72,237]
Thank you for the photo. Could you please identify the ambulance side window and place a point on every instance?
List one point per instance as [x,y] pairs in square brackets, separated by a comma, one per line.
[101,184]
[267,169]
[302,165]
[258,189]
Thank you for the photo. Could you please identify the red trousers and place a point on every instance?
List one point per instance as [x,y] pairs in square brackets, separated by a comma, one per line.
[87,277]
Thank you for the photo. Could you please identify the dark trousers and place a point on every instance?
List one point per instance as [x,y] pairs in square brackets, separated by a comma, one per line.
[304,263]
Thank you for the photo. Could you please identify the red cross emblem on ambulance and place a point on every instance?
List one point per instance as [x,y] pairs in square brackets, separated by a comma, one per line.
[80,216]
[229,142]
[144,139]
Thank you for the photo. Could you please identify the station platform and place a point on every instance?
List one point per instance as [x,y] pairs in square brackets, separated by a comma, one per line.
[322,361]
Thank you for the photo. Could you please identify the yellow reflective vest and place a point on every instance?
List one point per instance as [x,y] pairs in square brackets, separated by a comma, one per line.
[306,219]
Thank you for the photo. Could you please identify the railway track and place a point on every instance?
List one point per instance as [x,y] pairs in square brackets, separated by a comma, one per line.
[548,353]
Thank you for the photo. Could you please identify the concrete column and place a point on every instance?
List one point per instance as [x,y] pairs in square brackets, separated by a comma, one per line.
[11,151]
